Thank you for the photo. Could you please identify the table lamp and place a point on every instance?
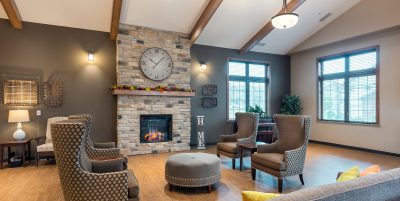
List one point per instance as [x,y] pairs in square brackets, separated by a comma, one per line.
[18,116]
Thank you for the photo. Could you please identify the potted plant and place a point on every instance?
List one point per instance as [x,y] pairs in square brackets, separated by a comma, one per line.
[291,105]
[264,117]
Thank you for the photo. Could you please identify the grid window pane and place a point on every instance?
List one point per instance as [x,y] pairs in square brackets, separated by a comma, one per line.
[363,61]
[237,98]
[257,94]
[256,70]
[362,106]
[333,66]
[236,68]
[333,100]
[347,86]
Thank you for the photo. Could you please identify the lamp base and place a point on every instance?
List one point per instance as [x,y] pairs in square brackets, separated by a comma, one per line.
[19,134]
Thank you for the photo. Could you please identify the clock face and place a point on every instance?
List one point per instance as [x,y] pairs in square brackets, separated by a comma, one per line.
[156,64]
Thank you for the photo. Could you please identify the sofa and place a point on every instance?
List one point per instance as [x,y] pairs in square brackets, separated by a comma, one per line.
[377,187]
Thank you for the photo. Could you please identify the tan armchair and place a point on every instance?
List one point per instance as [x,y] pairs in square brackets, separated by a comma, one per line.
[247,133]
[84,179]
[286,156]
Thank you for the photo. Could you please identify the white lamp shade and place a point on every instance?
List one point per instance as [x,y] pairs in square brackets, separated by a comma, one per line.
[15,116]
[285,20]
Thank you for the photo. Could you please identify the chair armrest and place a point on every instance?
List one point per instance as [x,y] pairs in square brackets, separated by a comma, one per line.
[294,160]
[266,148]
[104,145]
[106,166]
[228,138]
[39,140]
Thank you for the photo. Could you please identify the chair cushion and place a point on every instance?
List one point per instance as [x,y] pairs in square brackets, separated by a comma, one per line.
[45,147]
[110,165]
[271,160]
[230,147]
[133,185]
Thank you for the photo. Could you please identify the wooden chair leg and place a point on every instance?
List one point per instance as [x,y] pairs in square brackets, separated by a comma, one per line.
[233,163]
[280,185]
[170,187]
[301,178]
[209,189]
[37,161]
[253,174]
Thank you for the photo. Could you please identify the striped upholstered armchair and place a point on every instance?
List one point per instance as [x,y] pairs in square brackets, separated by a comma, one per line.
[286,156]
[84,179]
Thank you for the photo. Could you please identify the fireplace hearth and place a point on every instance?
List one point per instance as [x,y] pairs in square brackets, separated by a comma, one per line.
[155,128]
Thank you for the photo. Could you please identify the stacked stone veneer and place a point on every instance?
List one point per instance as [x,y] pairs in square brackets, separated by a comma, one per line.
[132,41]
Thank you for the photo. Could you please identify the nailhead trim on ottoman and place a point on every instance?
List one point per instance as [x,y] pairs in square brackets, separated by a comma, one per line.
[192,169]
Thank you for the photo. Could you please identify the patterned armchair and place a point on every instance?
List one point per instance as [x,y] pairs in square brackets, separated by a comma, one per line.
[286,156]
[83,179]
[99,151]
[247,133]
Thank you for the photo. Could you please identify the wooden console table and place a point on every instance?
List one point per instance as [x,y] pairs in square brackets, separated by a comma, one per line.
[14,143]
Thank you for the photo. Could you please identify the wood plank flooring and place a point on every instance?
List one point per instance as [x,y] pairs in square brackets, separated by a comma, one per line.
[323,162]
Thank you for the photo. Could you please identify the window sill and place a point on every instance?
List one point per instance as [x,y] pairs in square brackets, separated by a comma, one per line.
[349,123]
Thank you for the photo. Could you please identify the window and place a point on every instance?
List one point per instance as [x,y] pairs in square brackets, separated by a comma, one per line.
[347,87]
[247,86]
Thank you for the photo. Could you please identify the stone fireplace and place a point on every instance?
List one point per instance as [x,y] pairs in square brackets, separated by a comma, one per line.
[132,41]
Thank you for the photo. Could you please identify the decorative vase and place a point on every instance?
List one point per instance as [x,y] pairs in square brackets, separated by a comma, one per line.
[19,134]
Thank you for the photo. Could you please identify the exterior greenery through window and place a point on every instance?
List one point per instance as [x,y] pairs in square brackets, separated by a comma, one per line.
[247,84]
[347,87]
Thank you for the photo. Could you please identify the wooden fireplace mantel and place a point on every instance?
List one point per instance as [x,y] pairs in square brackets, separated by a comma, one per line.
[153,93]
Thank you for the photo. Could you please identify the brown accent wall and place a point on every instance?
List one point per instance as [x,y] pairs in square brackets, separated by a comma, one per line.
[60,53]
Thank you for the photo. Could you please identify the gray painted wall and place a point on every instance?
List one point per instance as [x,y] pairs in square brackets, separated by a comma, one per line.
[59,53]
[216,73]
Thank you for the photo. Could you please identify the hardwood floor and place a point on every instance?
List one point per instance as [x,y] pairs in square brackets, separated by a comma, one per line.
[322,164]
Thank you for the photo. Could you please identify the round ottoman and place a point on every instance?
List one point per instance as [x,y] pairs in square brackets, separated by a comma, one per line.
[192,170]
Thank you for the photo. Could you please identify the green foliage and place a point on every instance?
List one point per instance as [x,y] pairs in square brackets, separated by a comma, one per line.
[259,110]
[291,105]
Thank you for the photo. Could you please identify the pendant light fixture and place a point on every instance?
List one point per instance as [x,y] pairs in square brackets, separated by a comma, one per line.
[285,20]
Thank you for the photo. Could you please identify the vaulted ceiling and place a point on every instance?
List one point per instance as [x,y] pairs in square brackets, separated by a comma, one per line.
[232,25]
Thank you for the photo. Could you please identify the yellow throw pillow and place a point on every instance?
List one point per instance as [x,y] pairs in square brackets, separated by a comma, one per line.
[370,170]
[257,196]
[349,174]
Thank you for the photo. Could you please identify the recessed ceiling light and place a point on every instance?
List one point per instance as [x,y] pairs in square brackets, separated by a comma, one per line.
[260,44]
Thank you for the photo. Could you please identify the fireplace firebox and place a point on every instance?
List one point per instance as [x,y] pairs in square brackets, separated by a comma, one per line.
[155,128]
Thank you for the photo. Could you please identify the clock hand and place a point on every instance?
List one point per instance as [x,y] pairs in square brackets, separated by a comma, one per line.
[158,62]
[153,61]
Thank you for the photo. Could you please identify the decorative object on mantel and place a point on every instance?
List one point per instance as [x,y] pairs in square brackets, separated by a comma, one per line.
[18,116]
[209,102]
[151,91]
[52,94]
[20,92]
[209,90]
[200,132]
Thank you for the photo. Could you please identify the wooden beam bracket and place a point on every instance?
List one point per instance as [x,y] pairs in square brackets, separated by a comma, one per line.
[12,12]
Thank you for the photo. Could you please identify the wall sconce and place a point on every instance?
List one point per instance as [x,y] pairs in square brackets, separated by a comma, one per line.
[90,57]
[203,66]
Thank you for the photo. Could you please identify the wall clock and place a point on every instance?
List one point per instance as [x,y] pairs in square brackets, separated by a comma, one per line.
[156,64]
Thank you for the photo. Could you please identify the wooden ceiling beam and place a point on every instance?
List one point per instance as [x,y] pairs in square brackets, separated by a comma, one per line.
[116,15]
[204,19]
[12,13]
[291,6]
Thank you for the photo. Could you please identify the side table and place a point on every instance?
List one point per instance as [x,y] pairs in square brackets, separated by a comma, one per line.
[14,143]
[252,147]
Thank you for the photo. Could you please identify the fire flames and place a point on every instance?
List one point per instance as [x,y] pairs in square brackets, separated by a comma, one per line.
[153,136]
